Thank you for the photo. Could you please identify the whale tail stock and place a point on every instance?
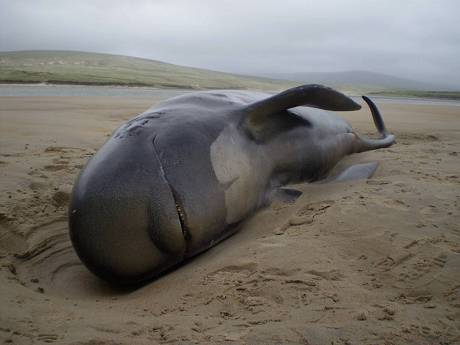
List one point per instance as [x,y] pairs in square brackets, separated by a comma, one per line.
[260,122]
[387,139]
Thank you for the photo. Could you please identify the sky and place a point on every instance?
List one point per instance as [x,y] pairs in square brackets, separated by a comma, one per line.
[417,39]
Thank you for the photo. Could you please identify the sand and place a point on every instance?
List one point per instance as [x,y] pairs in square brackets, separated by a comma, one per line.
[365,262]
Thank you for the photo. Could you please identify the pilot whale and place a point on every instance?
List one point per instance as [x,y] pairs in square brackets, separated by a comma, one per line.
[178,178]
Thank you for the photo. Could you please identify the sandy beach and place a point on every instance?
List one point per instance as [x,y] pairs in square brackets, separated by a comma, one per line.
[365,262]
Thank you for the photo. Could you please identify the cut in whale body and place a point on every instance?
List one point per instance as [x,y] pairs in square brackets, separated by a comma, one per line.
[176,179]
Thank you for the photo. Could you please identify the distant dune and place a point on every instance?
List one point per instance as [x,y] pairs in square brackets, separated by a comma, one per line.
[72,67]
[360,80]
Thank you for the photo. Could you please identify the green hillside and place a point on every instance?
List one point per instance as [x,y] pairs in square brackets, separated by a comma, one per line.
[71,67]
[448,95]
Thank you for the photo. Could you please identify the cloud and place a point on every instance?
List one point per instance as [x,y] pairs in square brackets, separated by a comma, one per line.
[415,38]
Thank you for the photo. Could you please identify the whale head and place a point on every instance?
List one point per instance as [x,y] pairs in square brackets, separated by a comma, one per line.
[123,220]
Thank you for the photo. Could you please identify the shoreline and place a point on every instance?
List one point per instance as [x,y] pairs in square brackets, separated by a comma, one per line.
[384,95]
[114,90]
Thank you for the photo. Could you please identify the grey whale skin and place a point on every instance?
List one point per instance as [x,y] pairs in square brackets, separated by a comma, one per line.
[176,179]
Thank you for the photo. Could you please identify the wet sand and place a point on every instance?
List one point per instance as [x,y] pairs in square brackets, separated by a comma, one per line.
[367,262]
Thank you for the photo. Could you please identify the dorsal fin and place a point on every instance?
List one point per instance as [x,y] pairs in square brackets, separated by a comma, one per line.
[316,96]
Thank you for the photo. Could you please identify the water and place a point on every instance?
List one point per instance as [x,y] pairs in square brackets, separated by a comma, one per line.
[34,90]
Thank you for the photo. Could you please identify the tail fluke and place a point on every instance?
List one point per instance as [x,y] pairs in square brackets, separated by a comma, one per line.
[366,144]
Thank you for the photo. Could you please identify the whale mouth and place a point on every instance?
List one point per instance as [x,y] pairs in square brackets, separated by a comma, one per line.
[179,209]
[181,215]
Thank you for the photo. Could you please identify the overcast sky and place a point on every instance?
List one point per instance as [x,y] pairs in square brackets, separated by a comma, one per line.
[419,39]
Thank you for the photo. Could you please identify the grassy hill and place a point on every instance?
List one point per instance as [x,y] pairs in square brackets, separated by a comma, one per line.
[365,82]
[71,67]
[447,95]
[361,79]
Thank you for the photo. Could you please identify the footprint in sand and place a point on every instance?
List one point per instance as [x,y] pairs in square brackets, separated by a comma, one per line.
[333,275]
[429,210]
[66,157]
[413,270]
[11,241]
[60,198]
[395,204]
[232,273]
[55,167]
[47,338]
[307,214]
